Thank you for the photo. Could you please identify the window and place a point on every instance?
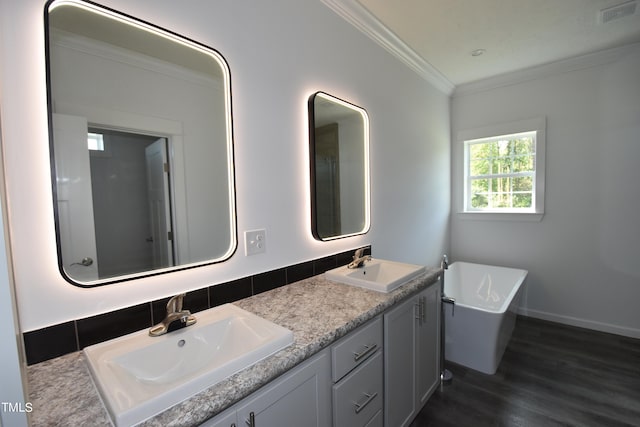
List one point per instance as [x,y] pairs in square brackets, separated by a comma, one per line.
[95,141]
[501,172]
[504,168]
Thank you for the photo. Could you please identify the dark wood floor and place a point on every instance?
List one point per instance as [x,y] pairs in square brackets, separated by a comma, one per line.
[550,375]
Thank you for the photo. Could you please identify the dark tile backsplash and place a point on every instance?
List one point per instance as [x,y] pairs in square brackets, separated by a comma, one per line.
[50,342]
[103,327]
[230,291]
[57,340]
[323,264]
[299,272]
[264,282]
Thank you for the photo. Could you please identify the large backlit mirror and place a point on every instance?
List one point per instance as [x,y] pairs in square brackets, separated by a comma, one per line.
[142,148]
[339,161]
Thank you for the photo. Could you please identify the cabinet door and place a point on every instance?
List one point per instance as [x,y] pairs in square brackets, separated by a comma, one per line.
[428,345]
[301,397]
[400,352]
[227,418]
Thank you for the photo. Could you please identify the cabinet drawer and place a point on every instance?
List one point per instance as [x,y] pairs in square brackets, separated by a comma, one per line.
[356,348]
[358,397]
[376,421]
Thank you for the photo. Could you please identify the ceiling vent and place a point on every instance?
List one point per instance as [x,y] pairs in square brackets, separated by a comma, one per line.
[616,12]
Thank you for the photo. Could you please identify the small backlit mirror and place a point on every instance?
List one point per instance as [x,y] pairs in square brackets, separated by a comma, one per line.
[339,163]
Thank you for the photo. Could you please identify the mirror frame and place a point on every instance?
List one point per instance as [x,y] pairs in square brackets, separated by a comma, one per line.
[313,172]
[177,38]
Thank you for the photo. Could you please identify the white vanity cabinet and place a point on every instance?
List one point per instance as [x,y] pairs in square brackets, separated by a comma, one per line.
[357,362]
[411,363]
[300,397]
[382,373]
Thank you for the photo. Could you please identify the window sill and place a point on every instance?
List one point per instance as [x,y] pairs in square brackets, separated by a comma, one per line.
[502,216]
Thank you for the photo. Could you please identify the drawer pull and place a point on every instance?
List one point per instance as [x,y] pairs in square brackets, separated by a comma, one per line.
[368,349]
[360,406]
[251,422]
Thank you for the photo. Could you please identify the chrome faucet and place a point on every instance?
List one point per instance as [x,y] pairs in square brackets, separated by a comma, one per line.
[444,264]
[359,259]
[176,317]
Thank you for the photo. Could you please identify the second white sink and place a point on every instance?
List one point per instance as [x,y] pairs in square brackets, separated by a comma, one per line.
[139,376]
[376,274]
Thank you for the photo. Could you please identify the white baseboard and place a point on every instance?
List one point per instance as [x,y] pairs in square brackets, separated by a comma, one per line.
[581,323]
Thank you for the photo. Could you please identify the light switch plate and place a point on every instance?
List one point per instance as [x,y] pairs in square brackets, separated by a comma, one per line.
[255,242]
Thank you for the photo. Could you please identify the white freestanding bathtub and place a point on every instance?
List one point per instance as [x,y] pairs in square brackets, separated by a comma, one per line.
[478,327]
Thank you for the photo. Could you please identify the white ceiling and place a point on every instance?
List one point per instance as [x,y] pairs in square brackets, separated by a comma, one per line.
[516,34]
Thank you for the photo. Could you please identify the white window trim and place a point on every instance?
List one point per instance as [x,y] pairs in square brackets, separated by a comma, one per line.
[535,124]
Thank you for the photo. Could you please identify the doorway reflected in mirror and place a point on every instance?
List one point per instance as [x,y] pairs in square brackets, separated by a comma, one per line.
[169,98]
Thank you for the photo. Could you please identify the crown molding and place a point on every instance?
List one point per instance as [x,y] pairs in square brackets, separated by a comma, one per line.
[139,60]
[354,13]
[358,16]
[576,63]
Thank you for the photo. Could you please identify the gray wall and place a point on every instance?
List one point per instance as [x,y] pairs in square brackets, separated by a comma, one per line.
[584,256]
[279,53]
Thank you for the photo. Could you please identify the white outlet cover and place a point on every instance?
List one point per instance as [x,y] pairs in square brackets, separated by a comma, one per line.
[255,242]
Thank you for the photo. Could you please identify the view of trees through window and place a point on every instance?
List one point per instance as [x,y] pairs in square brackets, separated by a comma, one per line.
[501,172]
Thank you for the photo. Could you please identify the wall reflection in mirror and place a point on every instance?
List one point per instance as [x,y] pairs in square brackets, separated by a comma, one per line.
[339,161]
[141,136]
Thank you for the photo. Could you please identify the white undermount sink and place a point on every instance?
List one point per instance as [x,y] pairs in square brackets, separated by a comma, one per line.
[139,376]
[377,274]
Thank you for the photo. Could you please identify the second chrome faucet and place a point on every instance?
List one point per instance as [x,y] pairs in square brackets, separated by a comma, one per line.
[176,317]
[359,258]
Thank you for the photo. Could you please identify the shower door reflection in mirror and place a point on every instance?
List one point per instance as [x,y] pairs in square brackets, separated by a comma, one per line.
[142,147]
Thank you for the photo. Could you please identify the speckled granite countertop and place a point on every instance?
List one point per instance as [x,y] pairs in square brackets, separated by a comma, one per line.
[318,312]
